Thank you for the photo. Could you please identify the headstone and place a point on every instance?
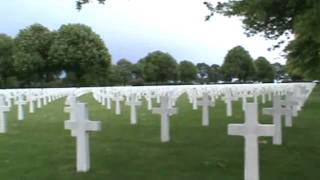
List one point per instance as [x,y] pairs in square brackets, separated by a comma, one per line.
[39,105]
[228,100]
[164,112]
[31,104]
[20,103]
[45,102]
[108,104]
[290,109]
[276,112]
[133,103]
[80,128]
[118,99]
[251,130]
[71,102]
[205,103]
[3,115]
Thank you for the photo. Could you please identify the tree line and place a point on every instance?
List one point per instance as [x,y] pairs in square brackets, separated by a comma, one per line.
[277,20]
[74,55]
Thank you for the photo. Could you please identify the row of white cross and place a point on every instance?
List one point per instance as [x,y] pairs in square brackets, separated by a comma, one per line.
[294,94]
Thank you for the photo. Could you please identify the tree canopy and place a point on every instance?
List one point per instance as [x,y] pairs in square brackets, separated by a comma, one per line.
[264,70]
[7,70]
[31,56]
[79,3]
[238,64]
[215,73]
[277,18]
[187,71]
[82,54]
[125,69]
[159,67]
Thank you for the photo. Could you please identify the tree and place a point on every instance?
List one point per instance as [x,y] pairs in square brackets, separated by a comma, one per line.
[82,54]
[113,75]
[125,68]
[238,64]
[264,70]
[187,71]
[159,67]
[304,57]
[7,71]
[277,18]
[215,73]
[79,3]
[31,59]
[203,70]
[280,70]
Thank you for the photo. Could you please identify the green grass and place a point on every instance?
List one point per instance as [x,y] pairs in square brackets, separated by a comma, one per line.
[40,148]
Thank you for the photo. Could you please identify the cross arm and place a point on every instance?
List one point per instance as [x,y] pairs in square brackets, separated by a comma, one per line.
[93,126]
[236,130]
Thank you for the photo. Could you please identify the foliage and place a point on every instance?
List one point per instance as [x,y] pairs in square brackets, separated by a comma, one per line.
[187,71]
[203,70]
[215,73]
[304,57]
[159,67]
[7,71]
[82,54]
[31,59]
[280,70]
[238,64]
[276,18]
[125,71]
[80,3]
[264,70]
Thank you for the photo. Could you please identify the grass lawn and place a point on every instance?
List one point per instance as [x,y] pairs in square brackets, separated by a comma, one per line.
[40,148]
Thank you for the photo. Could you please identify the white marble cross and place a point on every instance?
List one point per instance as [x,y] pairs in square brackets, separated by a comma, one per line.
[290,105]
[118,99]
[194,102]
[3,115]
[31,104]
[205,102]
[228,100]
[149,97]
[80,127]
[39,104]
[45,102]
[165,112]
[276,112]
[71,102]
[20,103]
[251,130]
[133,103]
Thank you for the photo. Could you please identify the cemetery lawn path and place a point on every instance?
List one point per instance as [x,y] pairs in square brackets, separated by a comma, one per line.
[39,148]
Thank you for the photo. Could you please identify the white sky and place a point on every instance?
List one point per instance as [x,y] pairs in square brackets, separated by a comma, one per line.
[132,28]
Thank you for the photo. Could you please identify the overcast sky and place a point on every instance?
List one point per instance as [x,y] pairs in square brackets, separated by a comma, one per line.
[132,28]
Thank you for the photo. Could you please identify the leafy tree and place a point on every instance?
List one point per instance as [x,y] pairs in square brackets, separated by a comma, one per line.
[264,70]
[159,67]
[82,54]
[277,18]
[238,64]
[187,71]
[125,70]
[203,70]
[280,70]
[79,3]
[304,57]
[7,72]
[215,73]
[31,60]
[113,75]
